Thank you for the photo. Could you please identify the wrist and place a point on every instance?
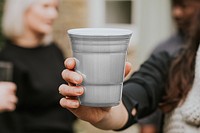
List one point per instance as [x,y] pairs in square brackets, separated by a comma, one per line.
[115,119]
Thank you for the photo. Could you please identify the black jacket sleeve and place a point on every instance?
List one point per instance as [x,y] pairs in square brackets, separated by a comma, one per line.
[146,87]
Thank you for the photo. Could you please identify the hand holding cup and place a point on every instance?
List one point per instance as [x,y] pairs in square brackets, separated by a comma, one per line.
[72,91]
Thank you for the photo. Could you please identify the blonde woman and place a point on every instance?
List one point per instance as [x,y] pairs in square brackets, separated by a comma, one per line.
[38,62]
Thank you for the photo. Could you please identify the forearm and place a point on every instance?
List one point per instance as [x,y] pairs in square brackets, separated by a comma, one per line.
[115,119]
[146,87]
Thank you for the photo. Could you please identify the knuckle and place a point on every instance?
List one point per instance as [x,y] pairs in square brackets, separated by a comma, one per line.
[66,74]
[63,73]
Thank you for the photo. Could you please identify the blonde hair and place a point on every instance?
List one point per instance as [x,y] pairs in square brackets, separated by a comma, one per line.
[13,18]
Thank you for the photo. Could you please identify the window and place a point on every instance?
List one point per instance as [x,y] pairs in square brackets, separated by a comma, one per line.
[118,11]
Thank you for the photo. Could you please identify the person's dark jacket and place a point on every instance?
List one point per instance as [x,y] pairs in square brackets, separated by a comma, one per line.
[146,87]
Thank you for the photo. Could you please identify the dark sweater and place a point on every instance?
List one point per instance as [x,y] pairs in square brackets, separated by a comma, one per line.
[146,87]
[37,73]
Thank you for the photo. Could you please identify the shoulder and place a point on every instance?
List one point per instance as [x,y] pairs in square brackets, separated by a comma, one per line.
[163,57]
[53,47]
[171,45]
[5,49]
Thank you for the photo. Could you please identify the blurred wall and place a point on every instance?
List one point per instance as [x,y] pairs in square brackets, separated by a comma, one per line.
[154,24]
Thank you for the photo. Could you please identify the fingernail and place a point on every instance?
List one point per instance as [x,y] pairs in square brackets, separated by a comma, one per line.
[60,88]
[79,90]
[69,62]
[77,78]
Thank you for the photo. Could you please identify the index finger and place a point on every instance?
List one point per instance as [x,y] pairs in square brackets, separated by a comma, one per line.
[8,85]
[70,63]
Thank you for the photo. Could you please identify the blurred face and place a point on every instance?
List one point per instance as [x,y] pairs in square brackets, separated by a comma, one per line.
[183,11]
[40,16]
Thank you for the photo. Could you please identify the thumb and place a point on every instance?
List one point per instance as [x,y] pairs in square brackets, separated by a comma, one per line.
[127,68]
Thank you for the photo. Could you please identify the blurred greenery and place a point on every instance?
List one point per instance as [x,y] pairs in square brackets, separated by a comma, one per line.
[1,11]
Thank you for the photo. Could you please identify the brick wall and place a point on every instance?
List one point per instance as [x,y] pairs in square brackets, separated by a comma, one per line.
[72,14]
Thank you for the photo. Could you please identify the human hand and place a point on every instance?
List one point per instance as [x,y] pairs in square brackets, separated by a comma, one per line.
[94,115]
[8,98]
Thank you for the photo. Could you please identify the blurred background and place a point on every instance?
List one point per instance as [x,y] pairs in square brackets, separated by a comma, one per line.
[150,21]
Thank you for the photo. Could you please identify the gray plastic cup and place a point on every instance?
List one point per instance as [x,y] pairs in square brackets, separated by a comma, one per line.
[100,55]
